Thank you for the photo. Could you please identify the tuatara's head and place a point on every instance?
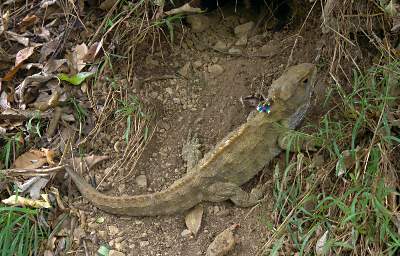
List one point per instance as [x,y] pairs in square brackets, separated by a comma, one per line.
[291,92]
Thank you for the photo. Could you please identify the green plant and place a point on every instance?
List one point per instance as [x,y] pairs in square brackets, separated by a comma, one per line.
[348,196]
[34,125]
[21,232]
[169,22]
[127,109]
[11,148]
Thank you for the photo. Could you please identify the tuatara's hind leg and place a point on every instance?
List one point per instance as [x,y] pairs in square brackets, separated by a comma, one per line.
[229,191]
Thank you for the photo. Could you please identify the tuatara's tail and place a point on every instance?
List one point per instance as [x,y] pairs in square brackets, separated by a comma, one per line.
[180,196]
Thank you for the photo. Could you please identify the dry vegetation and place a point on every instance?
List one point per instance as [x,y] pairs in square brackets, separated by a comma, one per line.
[58,94]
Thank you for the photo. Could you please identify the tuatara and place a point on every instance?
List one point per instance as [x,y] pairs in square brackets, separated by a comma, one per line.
[235,159]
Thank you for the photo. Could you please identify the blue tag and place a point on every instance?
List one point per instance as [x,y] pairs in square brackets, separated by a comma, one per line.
[264,108]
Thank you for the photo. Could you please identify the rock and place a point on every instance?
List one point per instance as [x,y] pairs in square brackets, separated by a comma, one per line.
[184,71]
[198,23]
[176,100]
[197,64]
[235,51]
[102,234]
[244,29]
[165,125]
[242,41]
[223,242]
[113,230]
[215,69]
[149,61]
[169,90]
[186,233]
[144,243]
[154,95]
[221,46]
[118,246]
[270,49]
[115,253]
[141,181]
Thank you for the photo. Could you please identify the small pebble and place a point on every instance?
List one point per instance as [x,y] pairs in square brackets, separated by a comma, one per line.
[186,233]
[215,69]
[141,181]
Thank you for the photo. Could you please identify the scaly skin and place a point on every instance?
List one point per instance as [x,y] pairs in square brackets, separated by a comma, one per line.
[234,160]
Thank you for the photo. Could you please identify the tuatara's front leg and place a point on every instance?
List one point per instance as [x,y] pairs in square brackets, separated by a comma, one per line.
[222,191]
[191,153]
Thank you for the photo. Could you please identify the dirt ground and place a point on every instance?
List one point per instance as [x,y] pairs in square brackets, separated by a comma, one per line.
[203,99]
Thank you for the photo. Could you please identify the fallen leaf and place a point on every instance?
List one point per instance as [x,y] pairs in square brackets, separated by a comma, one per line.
[28,21]
[47,3]
[78,55]
[193,219]
[56,194]
[46,101]
[26,202]
[319,246]
[42,32]
[18,38]
[5,19]
[53,65]
[22,115]
[33,186]
[34,159]
[49,48]
[35,79]
[223,242]
[93,51]
[75,79]
[4,104]
[21,56]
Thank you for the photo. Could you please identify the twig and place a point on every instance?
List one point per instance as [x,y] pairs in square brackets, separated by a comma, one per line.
[31,172]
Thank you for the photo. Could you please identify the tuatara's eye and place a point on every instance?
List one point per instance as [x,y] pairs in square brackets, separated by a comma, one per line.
[305,81]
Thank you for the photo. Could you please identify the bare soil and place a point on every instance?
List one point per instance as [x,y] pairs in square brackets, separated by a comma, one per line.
[203,101]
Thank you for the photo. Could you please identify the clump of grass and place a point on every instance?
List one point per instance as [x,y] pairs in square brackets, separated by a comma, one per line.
[21,233]
[128,109]
[10,148]
[347,204]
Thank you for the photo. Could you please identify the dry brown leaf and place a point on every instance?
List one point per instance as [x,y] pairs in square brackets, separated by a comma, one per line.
[49,48]
[34,159]
[28,21]
[193,219]
[18,38]
[319,246]
[42,32]
[78,56]
[5,18]
[53,65]
[26,202]
[34,80]
[93,51]
[47,3]
[4,103]
[33,186]
[20,57]
[46,101]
